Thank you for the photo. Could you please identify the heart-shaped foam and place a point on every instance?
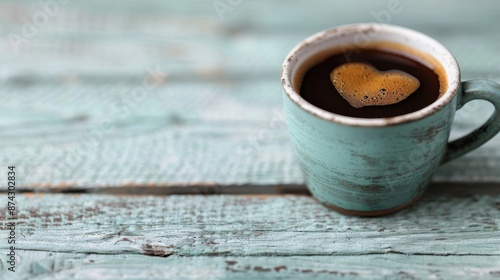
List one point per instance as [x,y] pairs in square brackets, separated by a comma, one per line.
[363,85]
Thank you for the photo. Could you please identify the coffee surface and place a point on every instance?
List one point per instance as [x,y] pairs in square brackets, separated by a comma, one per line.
[363,85]
[317,86]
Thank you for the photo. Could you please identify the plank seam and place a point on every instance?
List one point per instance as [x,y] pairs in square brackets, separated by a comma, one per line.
[225,254]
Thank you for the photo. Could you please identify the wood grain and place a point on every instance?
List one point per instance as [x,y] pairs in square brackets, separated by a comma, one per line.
[197,225]
[40,265]
[64,236]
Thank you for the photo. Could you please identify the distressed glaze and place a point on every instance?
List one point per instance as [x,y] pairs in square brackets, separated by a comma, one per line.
[483,90]
[376,166]
[367,169]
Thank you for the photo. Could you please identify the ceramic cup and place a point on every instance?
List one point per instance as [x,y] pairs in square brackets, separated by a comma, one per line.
[370,167]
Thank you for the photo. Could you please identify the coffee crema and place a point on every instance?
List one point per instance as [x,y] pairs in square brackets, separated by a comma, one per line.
[420,82]
[363,85]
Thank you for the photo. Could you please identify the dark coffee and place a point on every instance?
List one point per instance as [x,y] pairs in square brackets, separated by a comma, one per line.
[317,87]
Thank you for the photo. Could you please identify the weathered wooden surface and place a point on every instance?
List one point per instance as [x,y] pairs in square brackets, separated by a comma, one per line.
[52,265]
[215,116]
[213,120]
[75,236]
[253,225]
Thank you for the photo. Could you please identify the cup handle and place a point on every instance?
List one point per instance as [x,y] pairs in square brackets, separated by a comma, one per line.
[476,89]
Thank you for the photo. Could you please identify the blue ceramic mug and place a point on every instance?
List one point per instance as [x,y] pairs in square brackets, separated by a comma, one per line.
[376,166]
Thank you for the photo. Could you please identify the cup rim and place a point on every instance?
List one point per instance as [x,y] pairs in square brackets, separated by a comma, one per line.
[451,68]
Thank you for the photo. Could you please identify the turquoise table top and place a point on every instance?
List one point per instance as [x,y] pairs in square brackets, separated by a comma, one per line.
[125,121]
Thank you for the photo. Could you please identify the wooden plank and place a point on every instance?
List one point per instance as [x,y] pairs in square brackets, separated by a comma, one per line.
[88,40]
[187,134]
[441,224]
[52,265]
[197,55]
[261,15]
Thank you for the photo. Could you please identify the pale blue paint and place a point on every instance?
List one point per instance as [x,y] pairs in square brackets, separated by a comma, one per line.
[367,169]
[477,89]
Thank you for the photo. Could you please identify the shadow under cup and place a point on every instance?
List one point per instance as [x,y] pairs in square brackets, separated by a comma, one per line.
[373,166]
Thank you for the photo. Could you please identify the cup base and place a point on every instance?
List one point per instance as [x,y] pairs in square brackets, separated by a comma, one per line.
[372,213]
